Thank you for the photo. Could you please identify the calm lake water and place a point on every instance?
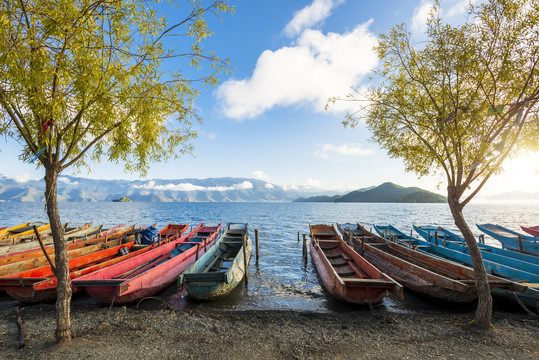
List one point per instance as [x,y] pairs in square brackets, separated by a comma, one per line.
[282,279]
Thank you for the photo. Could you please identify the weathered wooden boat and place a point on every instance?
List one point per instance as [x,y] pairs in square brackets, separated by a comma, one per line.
[346,275]
[151,272]
[420,271]
[6,231]
[512,240]
[529,296]
[495,264]
[21,252]
[222,268]
[107,232]
[39,284]
[440,236]
[83,233]
[39,261]
[25,235]
[172,232]
[533,230]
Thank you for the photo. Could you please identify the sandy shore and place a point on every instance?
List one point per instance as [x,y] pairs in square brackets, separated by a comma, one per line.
[199,333]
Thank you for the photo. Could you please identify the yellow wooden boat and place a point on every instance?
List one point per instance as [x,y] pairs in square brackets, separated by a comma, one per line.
[7,231]
[19,237]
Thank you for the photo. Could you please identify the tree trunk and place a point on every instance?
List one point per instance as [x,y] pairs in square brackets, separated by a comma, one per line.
[63,290]
[484,307]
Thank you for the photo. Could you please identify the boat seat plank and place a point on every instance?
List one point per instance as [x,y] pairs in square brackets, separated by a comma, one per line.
[367,282]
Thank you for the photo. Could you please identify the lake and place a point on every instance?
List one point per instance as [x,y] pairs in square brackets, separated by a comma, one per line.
[282,280]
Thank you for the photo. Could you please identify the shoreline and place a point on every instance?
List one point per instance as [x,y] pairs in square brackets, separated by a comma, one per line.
[202,333]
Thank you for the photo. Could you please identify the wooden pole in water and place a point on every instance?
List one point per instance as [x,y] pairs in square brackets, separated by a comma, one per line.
[305,245]
[256,241]
[246,269]
[482,238]
[298,236]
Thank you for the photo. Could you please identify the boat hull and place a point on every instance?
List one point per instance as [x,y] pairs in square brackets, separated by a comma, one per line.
[208,286]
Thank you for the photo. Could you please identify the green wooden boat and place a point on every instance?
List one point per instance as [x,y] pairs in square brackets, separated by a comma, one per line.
[222,268]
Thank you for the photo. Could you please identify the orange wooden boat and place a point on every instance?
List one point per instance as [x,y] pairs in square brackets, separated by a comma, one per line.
[39,284]
[38,252]
[346,275]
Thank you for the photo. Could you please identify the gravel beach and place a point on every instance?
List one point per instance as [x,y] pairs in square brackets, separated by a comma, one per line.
[202,333]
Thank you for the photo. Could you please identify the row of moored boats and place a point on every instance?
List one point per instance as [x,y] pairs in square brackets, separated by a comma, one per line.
[125,264]
[359,266]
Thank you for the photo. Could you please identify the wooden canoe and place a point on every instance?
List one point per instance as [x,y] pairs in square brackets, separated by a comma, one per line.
[419,271]
[222,268]
[7,230]
[151,272]
[346,275]
[533,231]
[512,240]
[19,252]
[39,284]
[25,235]
[510,263]
[107,232]
[529,296]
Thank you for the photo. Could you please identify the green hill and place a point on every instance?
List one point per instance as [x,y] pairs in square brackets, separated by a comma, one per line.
[387,192]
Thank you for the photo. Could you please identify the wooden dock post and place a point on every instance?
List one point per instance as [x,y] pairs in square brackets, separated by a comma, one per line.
[256,241]
[482,238]
[305,245]
[298,236]
[245,263]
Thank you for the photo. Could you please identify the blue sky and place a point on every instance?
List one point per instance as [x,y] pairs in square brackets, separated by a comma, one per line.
[267,120]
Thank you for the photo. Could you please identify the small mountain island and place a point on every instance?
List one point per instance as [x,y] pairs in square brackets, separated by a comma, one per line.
[123,199]
[385,193]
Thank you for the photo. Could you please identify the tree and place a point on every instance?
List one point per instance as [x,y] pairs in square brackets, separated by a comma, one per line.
[460,104]
[84,80]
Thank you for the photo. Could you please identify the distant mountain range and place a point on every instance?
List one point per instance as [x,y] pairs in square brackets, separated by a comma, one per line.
[387,192]
[228,189]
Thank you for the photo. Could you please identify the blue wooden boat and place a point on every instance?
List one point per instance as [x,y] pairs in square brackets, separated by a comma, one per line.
[418,270]
[498,264]
[530,295]
[453,241]
[512,240]
[222,268]
[391,233]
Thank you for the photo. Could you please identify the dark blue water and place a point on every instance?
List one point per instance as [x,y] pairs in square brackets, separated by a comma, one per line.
[282,279]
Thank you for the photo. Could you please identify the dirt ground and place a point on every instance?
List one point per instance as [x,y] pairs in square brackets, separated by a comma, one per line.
[202,333]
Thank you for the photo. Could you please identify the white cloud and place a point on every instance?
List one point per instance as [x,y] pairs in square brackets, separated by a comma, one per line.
[331,151]
[22,178]
[190,187]
[318,67]
[449,10]
[421,14]
[67,181]
[310,15]
[312,183]
[269,186]
[260,175]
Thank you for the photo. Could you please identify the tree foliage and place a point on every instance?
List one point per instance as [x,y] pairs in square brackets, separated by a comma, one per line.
[86,80]
[463,101]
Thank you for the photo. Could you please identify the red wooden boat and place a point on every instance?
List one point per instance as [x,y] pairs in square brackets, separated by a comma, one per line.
[39,284]
[38,253]
[346,275]
[533,230]
[151,272]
